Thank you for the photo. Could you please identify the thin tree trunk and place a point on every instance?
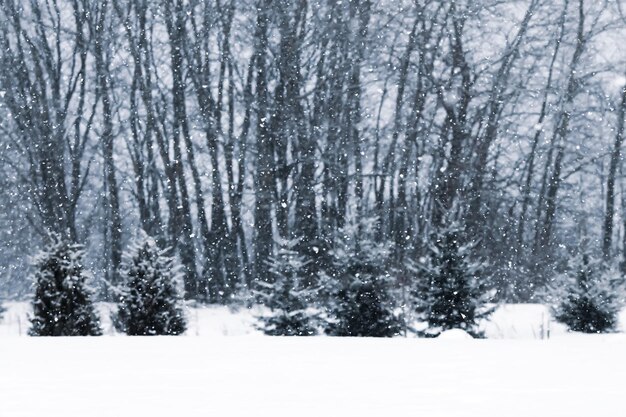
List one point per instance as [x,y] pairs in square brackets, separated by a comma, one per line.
[114,227]
[616,156]
[264,180]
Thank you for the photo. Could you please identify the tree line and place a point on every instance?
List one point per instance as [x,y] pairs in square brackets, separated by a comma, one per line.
[223,128]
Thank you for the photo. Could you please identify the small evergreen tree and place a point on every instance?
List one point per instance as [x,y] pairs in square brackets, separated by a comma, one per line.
[288,297]
[363,308]
[62,304]
[450,293]
[149,302]
[359,302]
[585,297]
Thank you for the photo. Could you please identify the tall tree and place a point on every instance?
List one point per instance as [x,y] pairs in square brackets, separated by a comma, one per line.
[614,165]
[174,20]
[100,29]
[264,179]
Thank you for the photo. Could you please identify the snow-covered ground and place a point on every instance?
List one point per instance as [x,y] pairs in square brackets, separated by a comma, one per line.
[509,321]
[319,376]
[569,375]
[201,321]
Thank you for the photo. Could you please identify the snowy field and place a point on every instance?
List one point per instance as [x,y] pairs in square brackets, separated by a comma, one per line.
[509,321]
[569,375]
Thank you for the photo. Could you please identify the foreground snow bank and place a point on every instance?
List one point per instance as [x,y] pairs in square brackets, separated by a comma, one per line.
[263,376]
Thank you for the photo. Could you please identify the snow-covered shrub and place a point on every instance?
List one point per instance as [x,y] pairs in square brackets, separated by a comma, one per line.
[287,297]
[62,305]
[149,303]
[584,297]
[450,292]
[359,302]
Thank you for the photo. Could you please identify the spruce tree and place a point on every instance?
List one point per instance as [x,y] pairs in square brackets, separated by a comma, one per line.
[359,301]
[288,296]
[450,291]
[585,296]
[363,308]
[149,303]
[62,305]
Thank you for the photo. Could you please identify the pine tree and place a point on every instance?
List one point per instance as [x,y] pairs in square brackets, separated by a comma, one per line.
[359,302]
[585,297]
[450,293]
[149,302]
[364,308]
[62,304]
[287,297]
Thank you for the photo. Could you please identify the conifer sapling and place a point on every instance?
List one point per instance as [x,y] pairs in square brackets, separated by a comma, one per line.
[62,304]
[585,296]
[450,291]
[359,302]
[287,297]
[149,301]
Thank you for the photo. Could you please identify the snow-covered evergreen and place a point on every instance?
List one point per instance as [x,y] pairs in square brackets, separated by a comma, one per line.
[450,292]
[585,297]
[149,301]
[359,302]
[363,307]
[62,305]
[288,297]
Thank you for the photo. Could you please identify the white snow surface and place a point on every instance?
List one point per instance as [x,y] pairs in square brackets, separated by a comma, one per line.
[247,374]
[509,321]
[454,334]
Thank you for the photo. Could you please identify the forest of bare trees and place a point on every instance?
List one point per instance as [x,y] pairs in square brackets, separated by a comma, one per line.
[225,127]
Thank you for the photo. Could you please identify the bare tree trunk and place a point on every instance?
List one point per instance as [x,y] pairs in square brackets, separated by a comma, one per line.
[532,155]
[616,157]
[175,27]
[495,104]
[38,103]
[264,180]
[562,130]
[390,159]
[114,226]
